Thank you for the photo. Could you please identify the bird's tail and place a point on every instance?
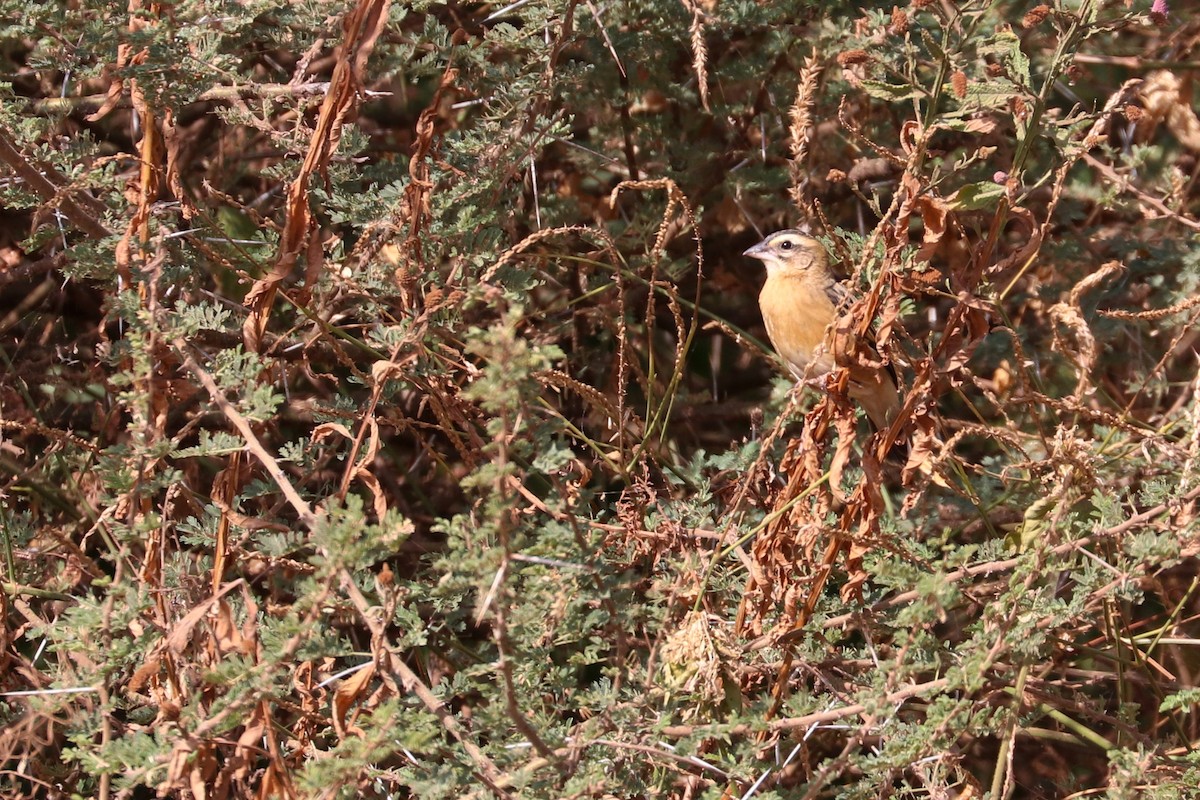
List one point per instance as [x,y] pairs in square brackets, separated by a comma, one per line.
[876,392]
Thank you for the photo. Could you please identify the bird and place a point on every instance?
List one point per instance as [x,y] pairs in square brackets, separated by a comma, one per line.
[800,303]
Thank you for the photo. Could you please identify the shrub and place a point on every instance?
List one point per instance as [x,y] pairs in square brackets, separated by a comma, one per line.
[386,410]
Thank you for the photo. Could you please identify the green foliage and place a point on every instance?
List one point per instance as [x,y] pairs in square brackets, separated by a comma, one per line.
[393,422]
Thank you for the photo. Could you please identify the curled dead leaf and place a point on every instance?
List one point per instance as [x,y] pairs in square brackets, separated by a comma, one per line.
[347,694]
[1166,97]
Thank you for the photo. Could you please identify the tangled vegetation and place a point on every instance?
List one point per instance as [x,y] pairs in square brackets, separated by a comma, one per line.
[384,408]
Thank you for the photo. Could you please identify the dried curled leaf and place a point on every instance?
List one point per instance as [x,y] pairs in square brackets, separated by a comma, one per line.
[1070,315]
[1167,98]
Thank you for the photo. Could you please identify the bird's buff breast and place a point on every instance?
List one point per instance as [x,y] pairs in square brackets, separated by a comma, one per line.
[797,315]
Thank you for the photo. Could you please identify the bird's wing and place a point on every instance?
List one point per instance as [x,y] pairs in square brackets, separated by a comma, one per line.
[838,294]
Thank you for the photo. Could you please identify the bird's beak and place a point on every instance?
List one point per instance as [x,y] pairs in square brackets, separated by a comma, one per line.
[757,251]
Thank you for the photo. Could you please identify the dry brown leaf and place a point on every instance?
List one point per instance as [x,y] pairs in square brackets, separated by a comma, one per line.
[360,470]
[275,783]
[846,429]
[116,86]
[933,211]
[378,497]
[924,449]
[347,694]
[851,589]
[177,766]
[980,125]
[1167,97]
[326,429]
[246,752]
[910,135]
[181,632]
[226,633]
[1028,251]
[204,766]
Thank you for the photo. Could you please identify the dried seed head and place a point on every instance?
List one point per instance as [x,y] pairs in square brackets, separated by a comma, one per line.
[850,57]
[995,70]
[958,82]
[899,24]
[836,176]
[434,297]
[1035,16]
[922,3]
[1133,113]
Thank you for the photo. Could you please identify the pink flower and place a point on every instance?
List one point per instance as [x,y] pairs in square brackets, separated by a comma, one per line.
[1159,11]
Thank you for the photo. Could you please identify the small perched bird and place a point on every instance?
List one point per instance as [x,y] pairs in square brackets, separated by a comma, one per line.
[800,302]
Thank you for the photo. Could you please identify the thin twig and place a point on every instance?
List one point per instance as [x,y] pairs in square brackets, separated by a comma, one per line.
[301,507]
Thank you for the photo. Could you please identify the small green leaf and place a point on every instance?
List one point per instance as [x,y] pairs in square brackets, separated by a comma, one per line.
[935,48]
[975,196]
[990,94]
[893,92]
[1009,46]
[1187,700]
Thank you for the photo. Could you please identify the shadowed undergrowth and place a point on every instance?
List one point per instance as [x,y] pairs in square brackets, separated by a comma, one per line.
[384,408]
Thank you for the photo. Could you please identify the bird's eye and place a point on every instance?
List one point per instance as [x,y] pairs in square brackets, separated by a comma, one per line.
[786,244]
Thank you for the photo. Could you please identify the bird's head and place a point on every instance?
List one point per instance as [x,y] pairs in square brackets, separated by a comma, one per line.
[790,252]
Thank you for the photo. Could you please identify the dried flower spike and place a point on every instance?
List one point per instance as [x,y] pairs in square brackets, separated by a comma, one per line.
[899,24]
[1035,16]
[958,82]
[849,58]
